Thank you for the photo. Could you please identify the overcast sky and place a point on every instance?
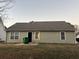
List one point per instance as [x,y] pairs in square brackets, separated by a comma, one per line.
[44,10]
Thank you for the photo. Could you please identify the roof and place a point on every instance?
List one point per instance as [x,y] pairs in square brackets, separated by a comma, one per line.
[42,26]
[1,22]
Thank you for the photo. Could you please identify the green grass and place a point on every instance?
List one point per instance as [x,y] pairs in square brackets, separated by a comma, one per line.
[41,51]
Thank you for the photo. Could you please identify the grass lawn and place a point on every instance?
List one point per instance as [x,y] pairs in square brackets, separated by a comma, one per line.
[41,51]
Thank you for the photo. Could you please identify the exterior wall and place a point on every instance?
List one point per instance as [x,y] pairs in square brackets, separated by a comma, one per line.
[20,40]
[33,37]
[70,37]
[45,37]
[54,37]
[2,32]
[22,35]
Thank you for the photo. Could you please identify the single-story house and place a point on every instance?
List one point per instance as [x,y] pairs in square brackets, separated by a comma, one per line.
[42,32]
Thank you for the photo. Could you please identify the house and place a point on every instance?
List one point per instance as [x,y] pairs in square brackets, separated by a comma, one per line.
[2,32]
[42,32]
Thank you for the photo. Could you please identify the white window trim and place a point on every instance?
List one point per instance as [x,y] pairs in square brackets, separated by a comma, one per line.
[38,36]
[64,34]
[19,35]
[14,35]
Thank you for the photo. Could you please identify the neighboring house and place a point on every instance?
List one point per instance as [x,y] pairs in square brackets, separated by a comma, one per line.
[2,32]
[42,32]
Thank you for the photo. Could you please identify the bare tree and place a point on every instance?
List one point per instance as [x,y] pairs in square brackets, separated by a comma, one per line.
[5,5]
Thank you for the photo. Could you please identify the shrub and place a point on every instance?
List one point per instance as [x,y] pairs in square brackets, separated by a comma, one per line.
[25,40]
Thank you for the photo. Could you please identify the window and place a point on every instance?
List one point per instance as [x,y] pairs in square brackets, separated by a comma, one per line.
[37,35]
[14,35]
[62,35]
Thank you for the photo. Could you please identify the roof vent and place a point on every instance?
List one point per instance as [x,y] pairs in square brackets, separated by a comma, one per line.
[32,22]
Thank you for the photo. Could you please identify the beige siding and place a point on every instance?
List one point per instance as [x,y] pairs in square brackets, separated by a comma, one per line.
[20,40]
[54,37]
[45,37]
[71,37]
[22,35]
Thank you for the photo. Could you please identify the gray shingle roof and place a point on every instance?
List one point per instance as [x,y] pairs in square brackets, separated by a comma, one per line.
[42,26]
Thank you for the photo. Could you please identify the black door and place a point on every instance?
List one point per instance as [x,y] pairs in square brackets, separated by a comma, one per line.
[30,36]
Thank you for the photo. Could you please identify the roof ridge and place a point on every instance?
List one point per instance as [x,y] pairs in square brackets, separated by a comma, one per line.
[37,22]
[45,21]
